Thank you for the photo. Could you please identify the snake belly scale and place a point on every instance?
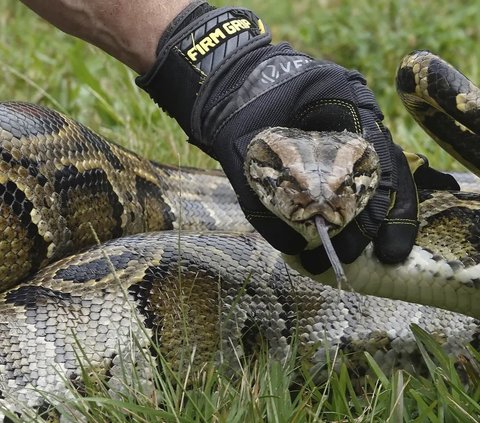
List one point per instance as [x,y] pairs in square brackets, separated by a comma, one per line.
[229,285]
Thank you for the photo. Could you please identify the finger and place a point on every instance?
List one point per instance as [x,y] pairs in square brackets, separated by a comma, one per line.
[278,234]
[396,235]
[428,178]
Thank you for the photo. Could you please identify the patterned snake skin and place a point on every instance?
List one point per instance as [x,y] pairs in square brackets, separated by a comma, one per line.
[61,184]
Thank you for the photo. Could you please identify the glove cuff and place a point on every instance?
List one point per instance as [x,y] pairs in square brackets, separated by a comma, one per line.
[199,43]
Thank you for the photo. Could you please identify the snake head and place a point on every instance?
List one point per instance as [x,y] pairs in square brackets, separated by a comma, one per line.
[298,175]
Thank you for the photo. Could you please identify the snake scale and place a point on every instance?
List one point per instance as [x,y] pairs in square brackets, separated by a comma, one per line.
[182,252]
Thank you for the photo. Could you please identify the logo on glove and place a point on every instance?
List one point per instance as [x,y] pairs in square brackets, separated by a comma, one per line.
[281,66]
[219,35]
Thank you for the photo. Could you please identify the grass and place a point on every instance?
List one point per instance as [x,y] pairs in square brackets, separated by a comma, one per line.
[42,65]
[269,391]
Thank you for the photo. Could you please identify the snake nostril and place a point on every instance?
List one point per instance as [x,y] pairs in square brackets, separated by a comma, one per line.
[272,182]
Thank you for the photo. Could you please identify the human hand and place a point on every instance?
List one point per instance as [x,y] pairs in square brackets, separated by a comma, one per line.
[219,76]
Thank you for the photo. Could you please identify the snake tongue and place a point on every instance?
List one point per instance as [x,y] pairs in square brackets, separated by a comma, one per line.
[330,250]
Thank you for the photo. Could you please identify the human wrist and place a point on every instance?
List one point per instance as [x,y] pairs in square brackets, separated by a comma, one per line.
[124,29]
[200,43]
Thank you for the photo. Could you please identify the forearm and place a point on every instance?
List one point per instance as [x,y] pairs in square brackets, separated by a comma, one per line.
[127,30]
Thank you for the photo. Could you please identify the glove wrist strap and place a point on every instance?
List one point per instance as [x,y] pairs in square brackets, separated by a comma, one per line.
[192,50]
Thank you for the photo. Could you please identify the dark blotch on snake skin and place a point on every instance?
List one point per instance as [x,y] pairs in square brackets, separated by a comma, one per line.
[406,79]
[93,181]
[465,196]
[163,215]
[31,165]
[95,269]
[141,293]
[28,296]
[424,195]
[14,198]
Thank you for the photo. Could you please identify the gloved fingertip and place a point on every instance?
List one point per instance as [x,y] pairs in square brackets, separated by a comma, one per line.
[315,261]
[278,234]
[429,178]
[350,243]
[395,241]
[288,244]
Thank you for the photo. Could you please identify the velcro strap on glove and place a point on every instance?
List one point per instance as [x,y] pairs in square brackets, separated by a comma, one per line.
[199,43]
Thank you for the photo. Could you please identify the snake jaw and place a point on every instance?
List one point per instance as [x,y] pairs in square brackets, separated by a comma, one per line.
[299,175]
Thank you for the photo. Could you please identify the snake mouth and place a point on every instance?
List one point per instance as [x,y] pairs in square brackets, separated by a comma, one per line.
[305,215]
[300,206]
[297,205]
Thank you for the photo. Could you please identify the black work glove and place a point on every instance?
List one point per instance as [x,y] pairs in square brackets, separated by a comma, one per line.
[219,76]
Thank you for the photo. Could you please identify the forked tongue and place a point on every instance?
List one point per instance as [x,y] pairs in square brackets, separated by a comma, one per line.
[331,253]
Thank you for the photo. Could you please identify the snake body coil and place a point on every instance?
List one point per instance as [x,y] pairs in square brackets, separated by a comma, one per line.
[61,184]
